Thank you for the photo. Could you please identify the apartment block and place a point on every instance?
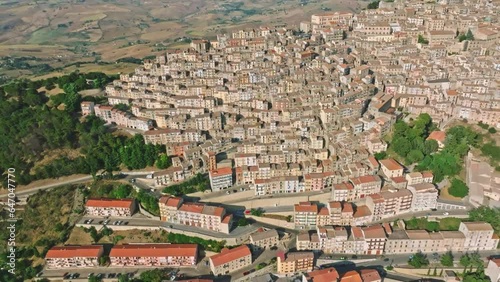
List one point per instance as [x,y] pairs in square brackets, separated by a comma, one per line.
[343,192]
[391,168]
[425,196]
[326,274]
[110,207]
[479,236]
[366,185]
[389,203]
[154,255]
[221,178]
[228,261]
[175,210]
[305,214]
[293,262]
[73,256]
[264,239]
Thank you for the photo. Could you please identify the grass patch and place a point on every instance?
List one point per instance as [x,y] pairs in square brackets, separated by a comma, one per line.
[444,224]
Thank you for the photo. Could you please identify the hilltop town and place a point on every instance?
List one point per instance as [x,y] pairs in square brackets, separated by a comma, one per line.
[321,144]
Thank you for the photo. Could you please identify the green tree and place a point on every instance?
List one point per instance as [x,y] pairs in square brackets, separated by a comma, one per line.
[162,162]
[123,278]
[243,222]
[477,276]
[492,130]
[380,155]
[447,259]
[430,146]
[465,260]
[373,5]
[257,212]
[123,191]
[401,146]
[154,275]
[94,278]
[422,40]
[418,260]
[458,188]
[487,214]
[414,156]
[469,35]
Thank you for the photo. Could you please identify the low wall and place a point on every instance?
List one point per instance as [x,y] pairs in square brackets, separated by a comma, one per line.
[248,278]
[229,240]
[272,221]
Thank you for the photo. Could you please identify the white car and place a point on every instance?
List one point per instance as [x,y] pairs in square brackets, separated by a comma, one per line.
[446,213]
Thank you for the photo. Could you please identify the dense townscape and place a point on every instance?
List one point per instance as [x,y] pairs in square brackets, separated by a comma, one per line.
[320,144]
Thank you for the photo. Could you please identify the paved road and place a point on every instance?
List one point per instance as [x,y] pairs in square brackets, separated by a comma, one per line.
[31,191]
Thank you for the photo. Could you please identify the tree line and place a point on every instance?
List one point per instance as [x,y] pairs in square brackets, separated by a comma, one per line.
[32,125]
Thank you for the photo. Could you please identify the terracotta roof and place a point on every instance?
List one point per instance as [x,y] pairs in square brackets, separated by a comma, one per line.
[365,179]
[109,203]
[90,251]
[154,250]
[391,164]
[192,207]
[324,211]
[306,207]
[439,136]
[369,275]
[376,231]
[170,201]
[324,275]
[362,211]
[221,171]
[496,261]
[343,186]
[351,276]
[227,255]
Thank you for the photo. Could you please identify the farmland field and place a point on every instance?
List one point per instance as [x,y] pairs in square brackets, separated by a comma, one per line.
[60,32]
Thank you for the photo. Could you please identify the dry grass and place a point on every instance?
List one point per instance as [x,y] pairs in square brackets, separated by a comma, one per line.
[52,31]
[51,155]
[446,196]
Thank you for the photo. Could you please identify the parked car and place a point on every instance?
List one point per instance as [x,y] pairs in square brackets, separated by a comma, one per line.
[446,213]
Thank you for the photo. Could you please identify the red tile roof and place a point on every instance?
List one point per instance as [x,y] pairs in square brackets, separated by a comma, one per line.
[370,275]
[306,207]
[170,201]
[109,203]
[391,164]
[439,136]
[221,171]
[90,251]
[227,255]
[154,250]
[324,275]
[351,276]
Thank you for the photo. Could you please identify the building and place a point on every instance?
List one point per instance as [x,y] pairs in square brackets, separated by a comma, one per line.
[87,108]
[329,274]
[293,262]
[175,210]
[154,255]
[110,207]
[351,276]
[305,214]
[366,185]
[221,178]
[230,260]
[370,275]
[391,168]
[425,196]
[263,239]
[439,137]
[74,256]
[389,203]
[493,269]
[479,236]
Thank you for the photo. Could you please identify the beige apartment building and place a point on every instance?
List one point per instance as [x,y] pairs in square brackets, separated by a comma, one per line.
[391,168]
[389,203]
[264,239]
[221,178]
[228,261]
[479,236]
[293,262]
[154,255]
[305,214]
[173,209]
[110,207]
[425,196]
[74,256]
[366,185]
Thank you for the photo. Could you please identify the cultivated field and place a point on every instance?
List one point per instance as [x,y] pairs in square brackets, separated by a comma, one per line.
[60,32]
